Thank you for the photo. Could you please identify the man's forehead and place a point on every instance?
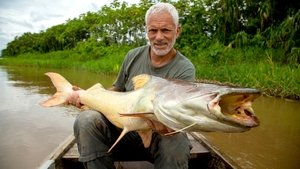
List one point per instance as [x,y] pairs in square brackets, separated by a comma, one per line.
[163,19]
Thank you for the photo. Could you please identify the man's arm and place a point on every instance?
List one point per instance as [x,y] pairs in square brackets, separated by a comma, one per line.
[74,97]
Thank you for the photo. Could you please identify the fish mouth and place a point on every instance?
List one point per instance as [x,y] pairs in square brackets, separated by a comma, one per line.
[234,107]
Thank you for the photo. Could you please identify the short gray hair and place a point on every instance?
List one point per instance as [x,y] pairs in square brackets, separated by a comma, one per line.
[163,7]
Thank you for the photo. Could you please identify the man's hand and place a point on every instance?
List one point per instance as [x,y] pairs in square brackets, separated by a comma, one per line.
[74,97]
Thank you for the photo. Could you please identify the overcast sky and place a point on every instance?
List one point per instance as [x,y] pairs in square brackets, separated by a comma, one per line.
[20,16]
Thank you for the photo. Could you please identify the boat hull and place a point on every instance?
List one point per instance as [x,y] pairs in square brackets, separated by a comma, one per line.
[203,155]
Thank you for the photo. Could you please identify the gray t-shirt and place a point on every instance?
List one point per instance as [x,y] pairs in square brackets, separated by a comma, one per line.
[137,62]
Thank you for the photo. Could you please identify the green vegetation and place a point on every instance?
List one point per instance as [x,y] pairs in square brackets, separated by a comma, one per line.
[248,43]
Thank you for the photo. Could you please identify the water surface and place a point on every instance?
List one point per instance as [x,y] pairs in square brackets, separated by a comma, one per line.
[29,132]
[275,144]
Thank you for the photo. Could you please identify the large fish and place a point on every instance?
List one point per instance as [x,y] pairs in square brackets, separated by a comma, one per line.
[178,105]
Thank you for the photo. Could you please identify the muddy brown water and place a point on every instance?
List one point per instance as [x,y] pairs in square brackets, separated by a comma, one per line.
[29,132]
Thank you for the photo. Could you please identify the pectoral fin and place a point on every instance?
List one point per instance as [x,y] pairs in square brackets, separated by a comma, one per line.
[146,137]
[124,131]
[152,122]
[138,114]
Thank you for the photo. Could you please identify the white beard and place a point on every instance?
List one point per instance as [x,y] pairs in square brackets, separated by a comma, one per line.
[160,52]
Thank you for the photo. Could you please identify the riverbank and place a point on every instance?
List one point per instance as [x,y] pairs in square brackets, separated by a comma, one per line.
[22,88]
[225,67]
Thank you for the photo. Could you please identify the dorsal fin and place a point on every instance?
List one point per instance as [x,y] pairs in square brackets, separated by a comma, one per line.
[140,80]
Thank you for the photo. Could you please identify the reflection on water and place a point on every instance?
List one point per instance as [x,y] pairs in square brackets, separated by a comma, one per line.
[29,132]
[274,144]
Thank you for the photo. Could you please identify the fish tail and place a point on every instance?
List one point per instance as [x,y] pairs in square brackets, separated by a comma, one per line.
[63,90]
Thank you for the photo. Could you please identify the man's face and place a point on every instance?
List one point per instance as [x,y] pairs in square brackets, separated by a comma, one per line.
[161,32]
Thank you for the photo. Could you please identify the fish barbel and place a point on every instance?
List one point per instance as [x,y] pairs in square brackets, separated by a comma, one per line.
[176,104]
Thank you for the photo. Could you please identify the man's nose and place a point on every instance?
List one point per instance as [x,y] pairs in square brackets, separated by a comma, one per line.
[159,35]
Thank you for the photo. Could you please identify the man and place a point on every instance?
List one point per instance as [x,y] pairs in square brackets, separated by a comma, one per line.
[95,134]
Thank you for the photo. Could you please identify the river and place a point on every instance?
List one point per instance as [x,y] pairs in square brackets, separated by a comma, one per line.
[29,132]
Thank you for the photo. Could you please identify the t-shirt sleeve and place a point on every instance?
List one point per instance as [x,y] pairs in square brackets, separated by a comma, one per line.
[122,75]
[184,69]
[188,74]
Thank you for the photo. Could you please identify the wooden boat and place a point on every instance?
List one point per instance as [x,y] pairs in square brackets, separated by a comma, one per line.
[203,155]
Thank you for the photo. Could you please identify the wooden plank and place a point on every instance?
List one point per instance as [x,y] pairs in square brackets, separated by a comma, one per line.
[134,165]
[198,149]
[72,153]
[64,147]
[51,161]
[218,159]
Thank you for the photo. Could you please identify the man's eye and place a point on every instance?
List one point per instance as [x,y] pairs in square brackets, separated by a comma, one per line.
[152,30]
[166,30]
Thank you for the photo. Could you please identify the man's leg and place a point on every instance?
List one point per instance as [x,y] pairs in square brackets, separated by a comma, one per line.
[171,152]
[93,134]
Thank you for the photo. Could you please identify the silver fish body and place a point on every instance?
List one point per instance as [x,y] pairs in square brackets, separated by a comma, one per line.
[173,104]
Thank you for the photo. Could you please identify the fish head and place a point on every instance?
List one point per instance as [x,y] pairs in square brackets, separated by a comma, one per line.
[233,106]
[209,108]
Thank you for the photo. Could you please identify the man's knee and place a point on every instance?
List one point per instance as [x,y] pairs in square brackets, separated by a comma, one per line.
[88,118]
[92,135]
[177,146]
[89,121]
[172,152]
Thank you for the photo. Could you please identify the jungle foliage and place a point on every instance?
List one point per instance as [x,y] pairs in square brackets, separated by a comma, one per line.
[251,43]
[232,23]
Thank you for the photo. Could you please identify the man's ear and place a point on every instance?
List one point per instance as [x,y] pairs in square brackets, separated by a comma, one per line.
[178,31]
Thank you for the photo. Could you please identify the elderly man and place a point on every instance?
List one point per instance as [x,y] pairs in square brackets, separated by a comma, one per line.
[95,134]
